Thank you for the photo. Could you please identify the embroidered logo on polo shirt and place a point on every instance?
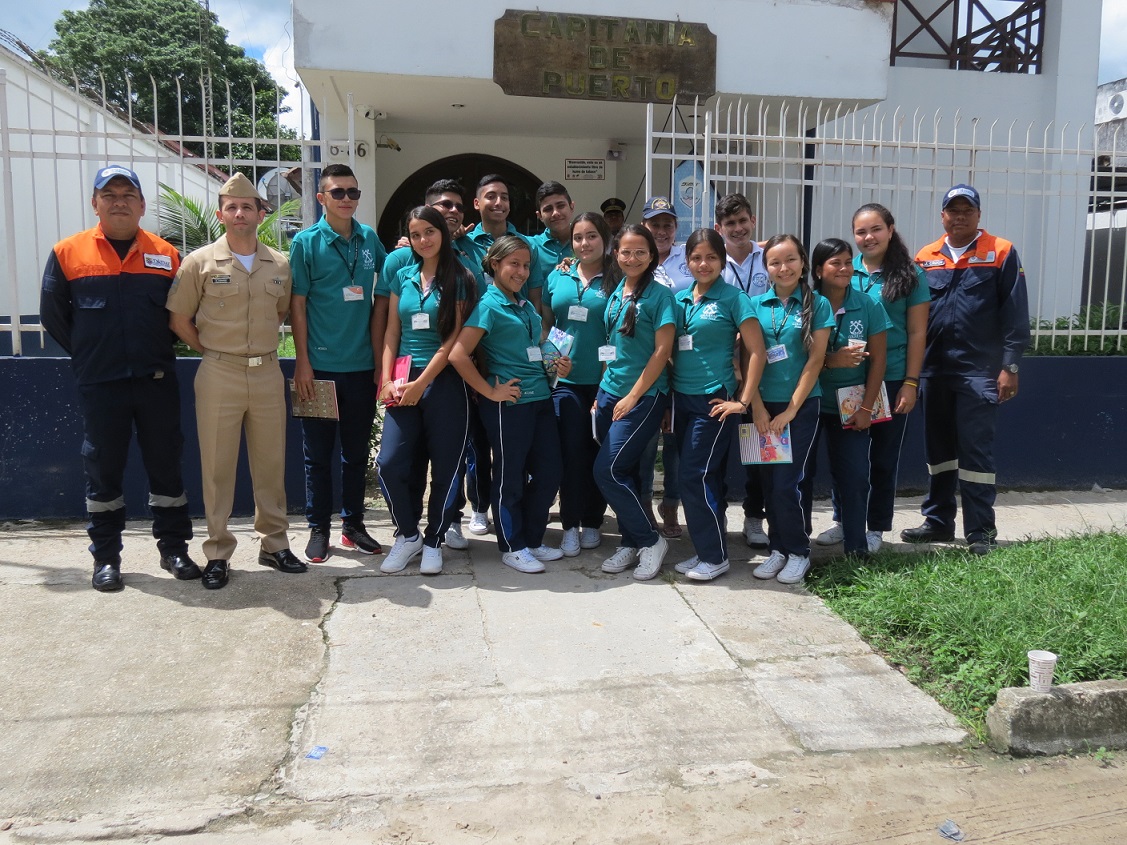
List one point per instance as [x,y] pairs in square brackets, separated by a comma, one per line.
[710,312]
[369,259]
[158,262]
[856,328]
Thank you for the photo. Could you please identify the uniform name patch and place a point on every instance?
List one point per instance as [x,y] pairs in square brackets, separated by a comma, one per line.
[986,259]
[939,262]
[158,262]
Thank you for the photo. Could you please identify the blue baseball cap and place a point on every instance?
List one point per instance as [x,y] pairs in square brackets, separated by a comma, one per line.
[965,191]
[657,205]
[112,171]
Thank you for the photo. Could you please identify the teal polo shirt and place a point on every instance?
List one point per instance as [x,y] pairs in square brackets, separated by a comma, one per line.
[859,318]
[404,256]
[781,324]
[655,308]
[566,290]
[420,344]
[873,285]
[510,329]
[337,276]
[713,324]
[547,252]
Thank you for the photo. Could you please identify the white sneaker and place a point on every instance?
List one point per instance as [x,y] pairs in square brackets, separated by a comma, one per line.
[569,545]
[479,523]
[623,558]
[454,538]
[685,565]
[794,571]
[544,553]
[431,564]
[707,571]
[770,567]
[650,559]
[590,538]
[874,540]
[401,553]
[831,536]
[522,561]
[753,532]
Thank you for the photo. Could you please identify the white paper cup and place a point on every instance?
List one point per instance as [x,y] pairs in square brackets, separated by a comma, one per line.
[1041,667]
[855,342]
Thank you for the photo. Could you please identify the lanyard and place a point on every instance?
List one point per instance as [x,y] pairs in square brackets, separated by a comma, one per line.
[419,287]
[777,330]
[837,329]
[355,257]
[582,289]
[746,288]
[690,309]
[528,324]
[872,280]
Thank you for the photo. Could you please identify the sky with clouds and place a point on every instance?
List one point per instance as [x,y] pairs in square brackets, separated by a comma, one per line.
[263,28]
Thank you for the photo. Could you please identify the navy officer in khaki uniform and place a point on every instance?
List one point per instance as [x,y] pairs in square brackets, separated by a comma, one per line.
[227,303]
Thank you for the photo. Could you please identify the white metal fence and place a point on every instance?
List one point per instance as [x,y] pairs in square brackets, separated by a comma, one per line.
[55,136]
[806,166]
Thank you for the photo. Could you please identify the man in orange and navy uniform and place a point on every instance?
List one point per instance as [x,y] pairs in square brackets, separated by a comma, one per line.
[977,330]
[103,302]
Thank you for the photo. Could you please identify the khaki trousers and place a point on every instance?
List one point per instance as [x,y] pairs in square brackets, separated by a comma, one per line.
[231,398]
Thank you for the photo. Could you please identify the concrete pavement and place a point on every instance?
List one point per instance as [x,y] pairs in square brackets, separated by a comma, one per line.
[168,708]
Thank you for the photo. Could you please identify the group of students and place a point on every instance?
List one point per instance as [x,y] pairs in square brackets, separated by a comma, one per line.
[688,340]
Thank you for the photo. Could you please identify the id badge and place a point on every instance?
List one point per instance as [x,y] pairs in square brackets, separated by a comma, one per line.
[353,293]
[608,353]
[685,343]
[534,353]
[776,354]
[577,313]
[420,322]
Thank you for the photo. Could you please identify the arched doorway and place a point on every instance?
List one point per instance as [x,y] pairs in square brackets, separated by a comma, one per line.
[467,168]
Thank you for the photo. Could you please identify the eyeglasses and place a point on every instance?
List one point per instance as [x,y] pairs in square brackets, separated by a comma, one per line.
[643,254]
[448,205]
[340,193]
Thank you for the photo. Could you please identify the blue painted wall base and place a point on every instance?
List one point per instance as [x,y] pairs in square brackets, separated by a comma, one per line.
[41,433]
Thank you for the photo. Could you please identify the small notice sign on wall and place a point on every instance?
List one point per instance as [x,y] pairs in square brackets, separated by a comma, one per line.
[585,169]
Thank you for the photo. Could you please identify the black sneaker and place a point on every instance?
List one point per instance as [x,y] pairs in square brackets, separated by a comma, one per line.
[927,533]
[107,576]
[357,537]
[317,549]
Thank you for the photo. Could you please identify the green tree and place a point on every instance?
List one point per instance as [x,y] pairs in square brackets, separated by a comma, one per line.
[123,46]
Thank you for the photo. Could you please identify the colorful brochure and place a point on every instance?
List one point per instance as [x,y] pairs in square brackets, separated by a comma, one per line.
[557,345]
[849,399]
[756,448]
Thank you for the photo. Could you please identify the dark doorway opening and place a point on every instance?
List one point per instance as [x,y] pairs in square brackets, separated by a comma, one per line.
[468,169]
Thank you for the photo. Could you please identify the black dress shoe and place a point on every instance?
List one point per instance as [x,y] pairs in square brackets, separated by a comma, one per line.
[283,561]
[182,567]
[215,575]
[107,577]
[927,533]
[982,546]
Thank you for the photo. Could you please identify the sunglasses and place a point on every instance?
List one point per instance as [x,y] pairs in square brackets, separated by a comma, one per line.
[340,193]
[448,205]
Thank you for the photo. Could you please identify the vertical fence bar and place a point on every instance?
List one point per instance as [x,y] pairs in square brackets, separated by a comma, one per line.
[9,215]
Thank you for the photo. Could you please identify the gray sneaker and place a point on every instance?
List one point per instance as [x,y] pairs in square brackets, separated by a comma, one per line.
[623,558]
[454,538]
[569,545]
[795,570]
[831,536]
[590,538]
[753,532]
[770,567]
[650,559]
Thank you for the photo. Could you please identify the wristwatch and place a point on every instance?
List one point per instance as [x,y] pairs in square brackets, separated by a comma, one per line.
[1010,368]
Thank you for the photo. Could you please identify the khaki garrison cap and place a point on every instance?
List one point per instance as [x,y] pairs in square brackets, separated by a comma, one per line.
[239,186]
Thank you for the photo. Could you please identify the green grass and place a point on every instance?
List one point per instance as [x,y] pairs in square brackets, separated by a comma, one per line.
[960,626]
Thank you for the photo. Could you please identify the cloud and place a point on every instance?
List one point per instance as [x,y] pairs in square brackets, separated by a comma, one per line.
[1113,42]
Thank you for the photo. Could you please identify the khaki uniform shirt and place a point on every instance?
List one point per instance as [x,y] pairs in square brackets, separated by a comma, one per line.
[236,312]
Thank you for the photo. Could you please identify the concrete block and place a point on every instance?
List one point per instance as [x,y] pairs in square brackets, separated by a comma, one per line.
[1071,716]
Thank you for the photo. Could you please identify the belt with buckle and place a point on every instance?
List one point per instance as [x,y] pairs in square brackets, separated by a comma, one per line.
[253,361]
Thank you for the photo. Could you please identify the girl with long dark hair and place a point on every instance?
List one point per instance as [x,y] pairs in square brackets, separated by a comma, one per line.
[578,301]
[515,405]
[796,324]
[633,396]
[855,356]
[710,314]
[883,268]
[428,415]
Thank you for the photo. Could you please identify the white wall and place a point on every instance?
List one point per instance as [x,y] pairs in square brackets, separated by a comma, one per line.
[55,141]
[803,48]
